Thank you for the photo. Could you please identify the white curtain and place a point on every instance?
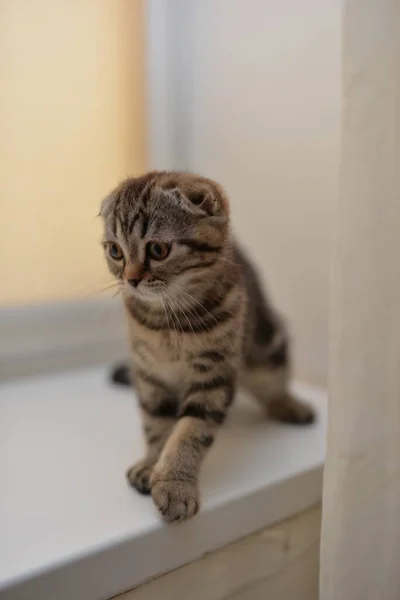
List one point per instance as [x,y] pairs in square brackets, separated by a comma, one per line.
[360,550]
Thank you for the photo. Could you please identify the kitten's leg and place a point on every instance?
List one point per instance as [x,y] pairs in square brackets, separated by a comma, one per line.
[158,409]
[269,385]
[174,478]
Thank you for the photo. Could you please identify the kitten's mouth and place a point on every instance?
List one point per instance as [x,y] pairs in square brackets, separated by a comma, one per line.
[145,289]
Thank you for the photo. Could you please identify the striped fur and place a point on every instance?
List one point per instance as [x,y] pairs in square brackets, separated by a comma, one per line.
[198,324]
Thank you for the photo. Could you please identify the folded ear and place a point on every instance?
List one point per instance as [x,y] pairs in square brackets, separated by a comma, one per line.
[209,198]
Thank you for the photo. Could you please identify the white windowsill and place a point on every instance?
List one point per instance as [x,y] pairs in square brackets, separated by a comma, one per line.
[70,525]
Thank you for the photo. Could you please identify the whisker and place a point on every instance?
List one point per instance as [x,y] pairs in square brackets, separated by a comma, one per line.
[192,311]
[182,309]
[174,313]
[176,317]
[172,308]
[96,288]
[165,310]
[113,285]
[116,293]
[230,262]
[194,300]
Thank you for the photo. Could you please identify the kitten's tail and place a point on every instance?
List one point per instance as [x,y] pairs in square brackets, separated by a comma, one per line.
[121,375]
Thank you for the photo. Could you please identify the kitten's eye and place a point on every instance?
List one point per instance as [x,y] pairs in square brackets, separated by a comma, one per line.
[158,250]
[115,251]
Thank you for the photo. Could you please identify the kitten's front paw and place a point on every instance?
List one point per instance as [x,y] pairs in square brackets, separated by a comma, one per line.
[176,499]
[139,476]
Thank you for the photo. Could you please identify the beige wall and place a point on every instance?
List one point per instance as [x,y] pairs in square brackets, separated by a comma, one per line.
[266,111]
[71,125]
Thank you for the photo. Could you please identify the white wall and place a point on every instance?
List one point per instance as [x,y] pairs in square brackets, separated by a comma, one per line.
[261,83]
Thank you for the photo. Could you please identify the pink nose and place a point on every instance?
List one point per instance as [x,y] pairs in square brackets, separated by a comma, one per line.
[133,272]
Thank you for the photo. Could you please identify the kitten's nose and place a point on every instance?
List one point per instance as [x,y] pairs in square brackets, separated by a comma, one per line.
[134,282]
[133,273]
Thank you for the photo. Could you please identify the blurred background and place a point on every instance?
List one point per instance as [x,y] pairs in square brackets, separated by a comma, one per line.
[246,92]
[73,122]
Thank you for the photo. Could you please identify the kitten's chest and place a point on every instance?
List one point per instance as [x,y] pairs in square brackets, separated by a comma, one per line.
[156,349]
[163,354]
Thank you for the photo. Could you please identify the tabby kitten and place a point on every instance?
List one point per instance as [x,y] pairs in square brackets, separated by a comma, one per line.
[198,325]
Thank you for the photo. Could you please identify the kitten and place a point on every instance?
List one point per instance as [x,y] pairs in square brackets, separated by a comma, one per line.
[198,325]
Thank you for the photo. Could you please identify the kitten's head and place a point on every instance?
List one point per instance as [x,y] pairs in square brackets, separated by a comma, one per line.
[163,231]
